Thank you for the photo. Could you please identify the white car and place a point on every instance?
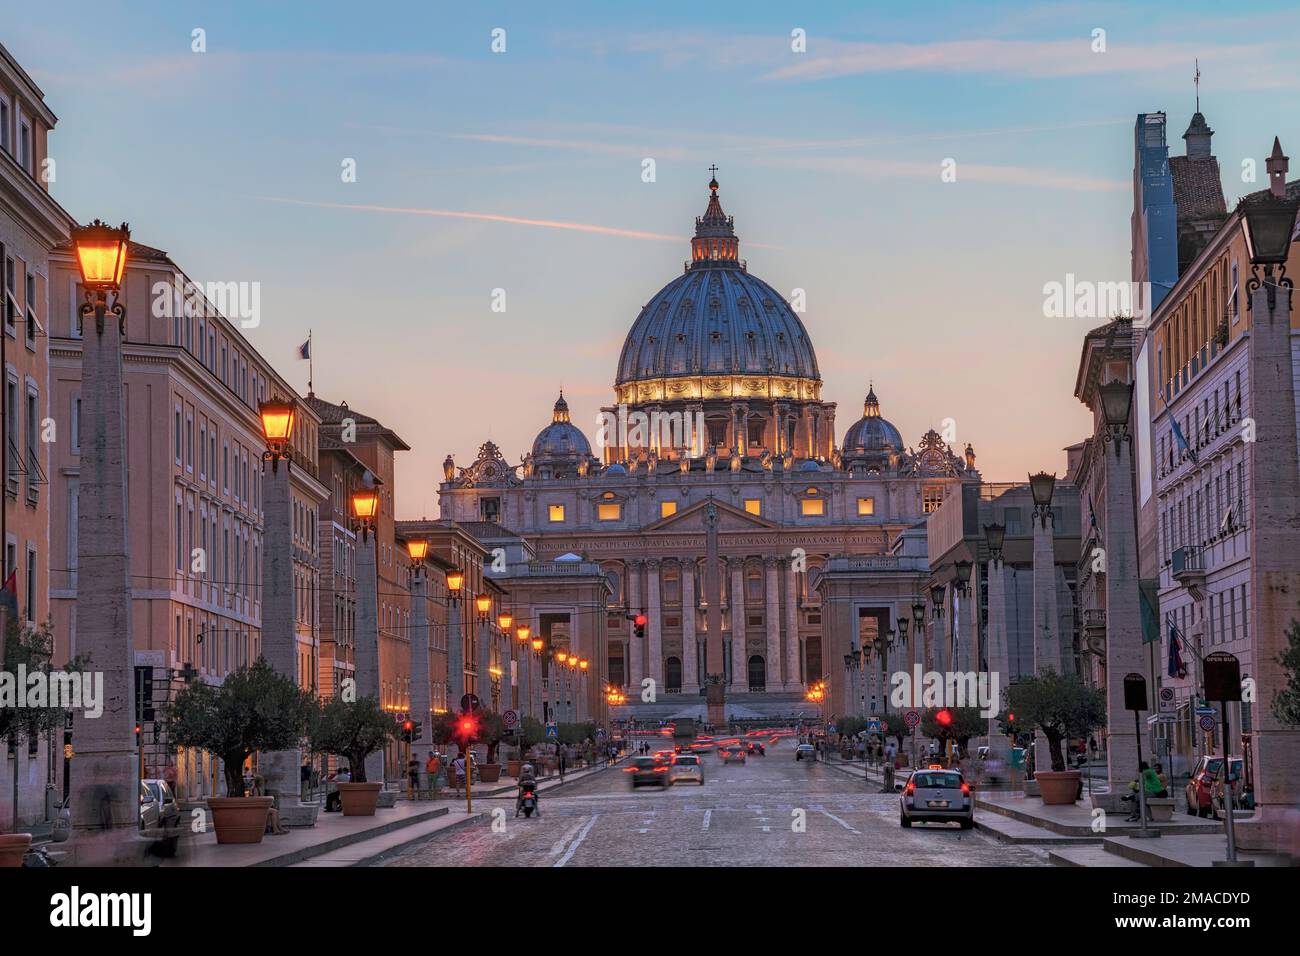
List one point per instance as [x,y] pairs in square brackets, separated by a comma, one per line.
[686,767]
[936,796]
[805,752]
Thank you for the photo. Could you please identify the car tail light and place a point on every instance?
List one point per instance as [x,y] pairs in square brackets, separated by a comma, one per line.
[629,769]
[661,769]
[965,788]
[911,787]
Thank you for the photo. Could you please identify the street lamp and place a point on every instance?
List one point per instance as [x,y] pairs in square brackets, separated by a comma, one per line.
[455,580]
[365,506]
[962,569]
[417,548]
[994,536]
[1270,227]
[1041,486]
[936,598]
[1116,401]
[504,621]
[101,258]
[903,624]
[483,603]
[277,428]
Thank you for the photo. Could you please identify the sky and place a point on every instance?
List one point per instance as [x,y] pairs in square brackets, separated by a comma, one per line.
[921,171]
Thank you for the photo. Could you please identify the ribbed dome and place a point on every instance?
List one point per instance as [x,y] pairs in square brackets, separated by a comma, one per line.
[871,434]
[561,438]
[716,319]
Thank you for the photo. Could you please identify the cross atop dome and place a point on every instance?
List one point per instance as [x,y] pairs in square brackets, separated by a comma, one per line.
[715,241]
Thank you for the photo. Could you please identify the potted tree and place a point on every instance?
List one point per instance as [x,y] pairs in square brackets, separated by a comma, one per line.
[959,726]
[31,649]
[1061,706]
[254,709]
[491,730]
[354,730]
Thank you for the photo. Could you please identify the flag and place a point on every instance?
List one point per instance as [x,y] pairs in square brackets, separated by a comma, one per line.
[9,593]
[1181,441]
[304,350]
[1176,666]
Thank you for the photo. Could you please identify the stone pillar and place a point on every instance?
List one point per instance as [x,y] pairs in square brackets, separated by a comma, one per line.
[420,660]
[968,653]
[455,653]
[367,650]
[793,656]
[655,633]
[1124,651]
[484,663]
[690,650]
[998,659]
[739,655]
[105,788]
[279,636]
[1274,525]
[524,667]
[772,595]
[1047,618]
[636,659]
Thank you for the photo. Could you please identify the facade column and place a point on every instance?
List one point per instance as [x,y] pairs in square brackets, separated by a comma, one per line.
[690,649]
[455,653]
[655,635]
[967,623]
[793,655]
[367,649]
[420,658]
[739,657]
[105,783]
[1047,620]
[1274,575]
[523,667]
[772,617]
[636,659]
[1124,651]
[998,660]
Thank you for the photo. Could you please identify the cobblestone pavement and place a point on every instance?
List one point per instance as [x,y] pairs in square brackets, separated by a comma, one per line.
[743,816]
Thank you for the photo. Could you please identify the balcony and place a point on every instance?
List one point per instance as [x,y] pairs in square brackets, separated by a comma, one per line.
[1094,620]
[1188,566]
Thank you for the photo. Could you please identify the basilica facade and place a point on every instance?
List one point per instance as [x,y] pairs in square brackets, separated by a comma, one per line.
[717,412]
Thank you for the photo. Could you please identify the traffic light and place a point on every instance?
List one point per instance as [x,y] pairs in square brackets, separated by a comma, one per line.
[944,718]
[466,729]
[144,710]
[638,624]
[407,727]
[417,730]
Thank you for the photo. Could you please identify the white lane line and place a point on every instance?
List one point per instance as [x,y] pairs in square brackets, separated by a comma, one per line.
[577,841]
[707,815]
[846,826]
[558,846]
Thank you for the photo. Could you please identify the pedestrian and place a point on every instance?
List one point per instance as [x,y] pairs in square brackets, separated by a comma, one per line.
[432,766]
[458,769]
[561,762]
[305,775]
[413,774]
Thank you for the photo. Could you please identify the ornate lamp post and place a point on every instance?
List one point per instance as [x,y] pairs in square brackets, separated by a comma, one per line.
[1047,649]
[918,631]
[996,648]
[962,649]
[418,550]
[455,639]
[105,796]
[935,657]
[365,512]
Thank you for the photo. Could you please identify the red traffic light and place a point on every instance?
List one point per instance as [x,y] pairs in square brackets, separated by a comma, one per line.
[1011,718]
[467,727]
[944,717]
[641,620]
[407,725]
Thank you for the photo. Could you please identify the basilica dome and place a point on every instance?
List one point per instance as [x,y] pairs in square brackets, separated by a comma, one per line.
[715,320]
[561,439]
[871,435]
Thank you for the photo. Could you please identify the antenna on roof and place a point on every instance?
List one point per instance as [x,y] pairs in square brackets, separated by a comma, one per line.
[1197,80]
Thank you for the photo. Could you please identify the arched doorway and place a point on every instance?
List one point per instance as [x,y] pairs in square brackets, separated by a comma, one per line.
[673,675]
[757,673]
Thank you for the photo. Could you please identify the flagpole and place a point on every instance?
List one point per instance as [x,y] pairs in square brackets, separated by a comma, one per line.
[311,363]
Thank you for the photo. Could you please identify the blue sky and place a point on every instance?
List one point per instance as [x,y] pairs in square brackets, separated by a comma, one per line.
[829,159]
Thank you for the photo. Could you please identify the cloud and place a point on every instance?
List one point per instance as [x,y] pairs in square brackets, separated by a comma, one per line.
[930,169]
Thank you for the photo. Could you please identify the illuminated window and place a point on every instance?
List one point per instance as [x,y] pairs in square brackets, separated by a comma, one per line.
[667,508]
[931,499]
[812,506]
[610,512]
[866,506]
[557,512]
[754,506]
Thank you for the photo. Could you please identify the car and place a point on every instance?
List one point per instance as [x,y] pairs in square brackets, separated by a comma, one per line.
[1199,790]
[936,796]
[158,806]
[755,747]
[686,767]
[805,752]
[1218,808]
[733,752]
[649,771]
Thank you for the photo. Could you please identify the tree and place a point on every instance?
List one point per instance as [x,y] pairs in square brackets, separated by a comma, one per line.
[1286,702]
[576,733]
[965,723]
[532,732]
[254,709]
[491,729]
[353,730]
[1059,705]
[896,727]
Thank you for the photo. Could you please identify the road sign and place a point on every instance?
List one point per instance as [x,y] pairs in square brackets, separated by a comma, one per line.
[912,718]
[469,704]
[1165,699]
[1207,722]
[830,728]
[1204,711]
[600,731]
[873,726]
[552,732]
[511,719]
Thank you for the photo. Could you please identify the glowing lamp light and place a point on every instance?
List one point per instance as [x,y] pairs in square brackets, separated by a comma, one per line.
[483,602]
[522,632]
[417,548]
[584,663]
[101,255]
[538,644]
[944,717]
[365,504]
[504,620]
[277,423]
[455,580]
[561,656]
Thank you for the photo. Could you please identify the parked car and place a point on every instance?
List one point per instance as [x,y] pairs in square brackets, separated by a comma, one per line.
[158,806]
[686,767]
[936,796]
[1199,789]
[1218,806]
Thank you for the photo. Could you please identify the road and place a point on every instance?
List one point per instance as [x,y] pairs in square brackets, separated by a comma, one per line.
[773,811]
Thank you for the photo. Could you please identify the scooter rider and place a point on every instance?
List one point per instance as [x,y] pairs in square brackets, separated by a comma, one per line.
[527,782]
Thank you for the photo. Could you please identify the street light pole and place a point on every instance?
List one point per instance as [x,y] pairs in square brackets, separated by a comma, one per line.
[365,512]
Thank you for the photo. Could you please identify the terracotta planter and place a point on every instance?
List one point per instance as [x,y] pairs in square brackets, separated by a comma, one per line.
[1058,789]
[239,819]
[489,772]
[513,767]
[12,848]
[359,799]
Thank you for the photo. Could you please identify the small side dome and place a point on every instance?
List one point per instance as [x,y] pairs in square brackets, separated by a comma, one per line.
[615,470]
[561,440]
[810,465]
[871,438]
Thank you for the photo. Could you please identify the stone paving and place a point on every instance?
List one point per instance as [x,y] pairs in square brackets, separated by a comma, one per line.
[742,816]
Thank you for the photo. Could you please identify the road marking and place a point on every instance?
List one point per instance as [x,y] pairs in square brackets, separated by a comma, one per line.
[558,846]
[577,841]
[838,820]
[707,815]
